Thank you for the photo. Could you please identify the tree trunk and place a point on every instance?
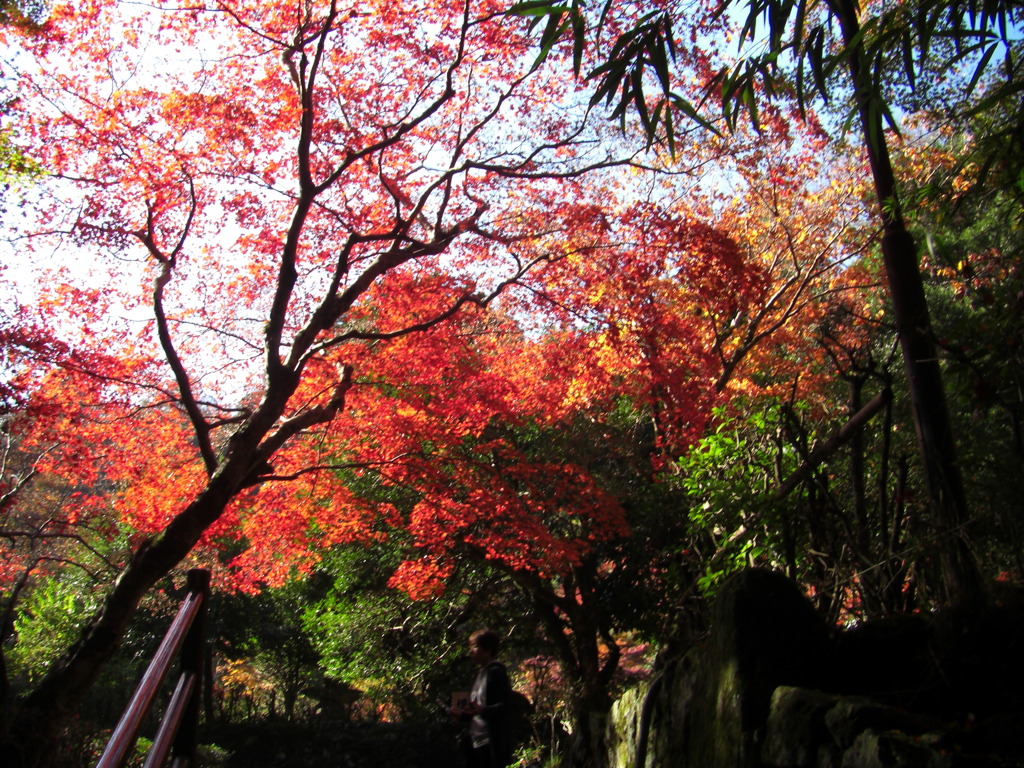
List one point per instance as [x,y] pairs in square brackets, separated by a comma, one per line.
[960,573]
[588,747]
[40,719]
[576,639]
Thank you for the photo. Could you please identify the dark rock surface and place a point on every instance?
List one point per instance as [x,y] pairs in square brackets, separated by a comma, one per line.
[775,687]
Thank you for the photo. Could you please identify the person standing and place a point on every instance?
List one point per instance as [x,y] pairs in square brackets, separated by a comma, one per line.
[488,711]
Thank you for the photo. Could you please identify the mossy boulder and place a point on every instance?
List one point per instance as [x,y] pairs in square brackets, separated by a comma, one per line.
[775,687]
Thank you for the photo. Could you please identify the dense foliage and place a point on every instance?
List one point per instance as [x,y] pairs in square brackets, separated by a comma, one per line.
[376,314]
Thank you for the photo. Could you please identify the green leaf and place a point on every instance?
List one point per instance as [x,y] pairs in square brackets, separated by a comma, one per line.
[817,61]
[749,100]
[693,113]
[670,134]
[579,36]
[552,34]
[659,60]
[979,70]
[908,60]
[539,8]
[637,97]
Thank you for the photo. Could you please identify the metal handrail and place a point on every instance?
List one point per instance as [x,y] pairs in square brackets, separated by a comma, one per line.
[177,733]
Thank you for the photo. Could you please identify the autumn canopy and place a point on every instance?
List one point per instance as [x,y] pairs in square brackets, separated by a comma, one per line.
[277,252]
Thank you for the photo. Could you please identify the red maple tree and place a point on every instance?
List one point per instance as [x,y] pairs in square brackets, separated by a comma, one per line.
[246,204]
[271,230]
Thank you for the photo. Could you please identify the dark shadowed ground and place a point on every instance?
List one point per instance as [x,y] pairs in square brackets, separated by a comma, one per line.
[328,745]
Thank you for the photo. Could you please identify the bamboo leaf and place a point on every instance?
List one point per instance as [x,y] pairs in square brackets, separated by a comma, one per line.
[693,113]
[637,97]
[670,133]
[659,60]
[979,71]
[749,101]
[552,34]
[536,9]
[579,36]
[818,63]
[908,60]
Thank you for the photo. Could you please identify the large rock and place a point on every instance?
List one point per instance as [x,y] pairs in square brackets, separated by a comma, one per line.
[765,633]
[796,734]
[772,689]
[812,729]
[889,749]
[889,659]
[658,717]
[710,708]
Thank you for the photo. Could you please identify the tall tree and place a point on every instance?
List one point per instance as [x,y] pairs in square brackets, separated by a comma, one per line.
[286,191]
[663,318]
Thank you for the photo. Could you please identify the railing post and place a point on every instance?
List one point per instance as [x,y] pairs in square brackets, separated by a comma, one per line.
[192,656]
[176,736]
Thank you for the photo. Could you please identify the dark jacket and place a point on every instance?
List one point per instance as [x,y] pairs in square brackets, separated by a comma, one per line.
[494,692]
